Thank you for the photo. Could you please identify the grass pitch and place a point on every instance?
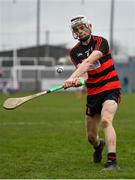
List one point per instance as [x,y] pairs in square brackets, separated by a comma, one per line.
[45,139]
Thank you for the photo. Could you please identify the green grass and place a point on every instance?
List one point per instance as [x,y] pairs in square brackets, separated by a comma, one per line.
[45,138]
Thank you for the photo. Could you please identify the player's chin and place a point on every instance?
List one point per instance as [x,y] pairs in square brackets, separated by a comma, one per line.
[84,38]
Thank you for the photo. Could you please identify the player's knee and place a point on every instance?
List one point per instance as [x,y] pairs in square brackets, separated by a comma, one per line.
[106,122]
[91,139]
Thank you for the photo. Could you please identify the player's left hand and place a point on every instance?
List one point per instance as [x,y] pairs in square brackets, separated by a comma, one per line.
[68,83]
[72,82]
[77,82]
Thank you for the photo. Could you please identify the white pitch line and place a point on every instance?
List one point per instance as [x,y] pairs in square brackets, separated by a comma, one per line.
[22,123]
[33,123]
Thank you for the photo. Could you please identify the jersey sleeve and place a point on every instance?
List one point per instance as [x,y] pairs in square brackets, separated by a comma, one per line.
[102,45]
[73,58]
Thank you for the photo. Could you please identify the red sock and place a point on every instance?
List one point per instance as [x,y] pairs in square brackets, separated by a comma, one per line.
[111,156]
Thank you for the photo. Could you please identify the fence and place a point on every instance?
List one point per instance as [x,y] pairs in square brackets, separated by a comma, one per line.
[32,75]
[29,75]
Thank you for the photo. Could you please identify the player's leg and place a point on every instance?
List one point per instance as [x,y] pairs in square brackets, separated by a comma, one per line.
[92,127]
[107,115]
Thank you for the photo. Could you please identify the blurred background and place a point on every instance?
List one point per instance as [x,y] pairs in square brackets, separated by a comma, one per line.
[35,38]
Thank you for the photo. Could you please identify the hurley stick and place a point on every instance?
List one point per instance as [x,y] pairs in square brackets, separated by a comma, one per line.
[12,103]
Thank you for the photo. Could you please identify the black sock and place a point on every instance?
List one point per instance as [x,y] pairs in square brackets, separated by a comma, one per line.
[111,156]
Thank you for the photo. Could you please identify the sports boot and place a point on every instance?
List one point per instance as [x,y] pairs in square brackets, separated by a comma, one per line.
[111,165]
[97,156]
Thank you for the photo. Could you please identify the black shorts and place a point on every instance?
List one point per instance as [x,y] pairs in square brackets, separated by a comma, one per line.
[95,102]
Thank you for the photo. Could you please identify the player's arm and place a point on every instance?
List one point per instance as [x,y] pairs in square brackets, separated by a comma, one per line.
[87,63]
[83,68]
[83,76]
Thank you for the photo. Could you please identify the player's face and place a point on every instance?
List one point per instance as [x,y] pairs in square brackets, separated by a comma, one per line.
[82,31]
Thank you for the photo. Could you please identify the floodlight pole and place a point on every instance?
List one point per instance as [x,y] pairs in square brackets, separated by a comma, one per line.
[14,70]
[38,23]
[37,43]
[111,24]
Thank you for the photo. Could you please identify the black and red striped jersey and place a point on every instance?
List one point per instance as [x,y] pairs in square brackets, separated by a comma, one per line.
[103,75]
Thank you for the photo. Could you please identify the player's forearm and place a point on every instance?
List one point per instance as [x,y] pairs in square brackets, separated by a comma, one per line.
[85,65]
[95,55]
[84,76]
